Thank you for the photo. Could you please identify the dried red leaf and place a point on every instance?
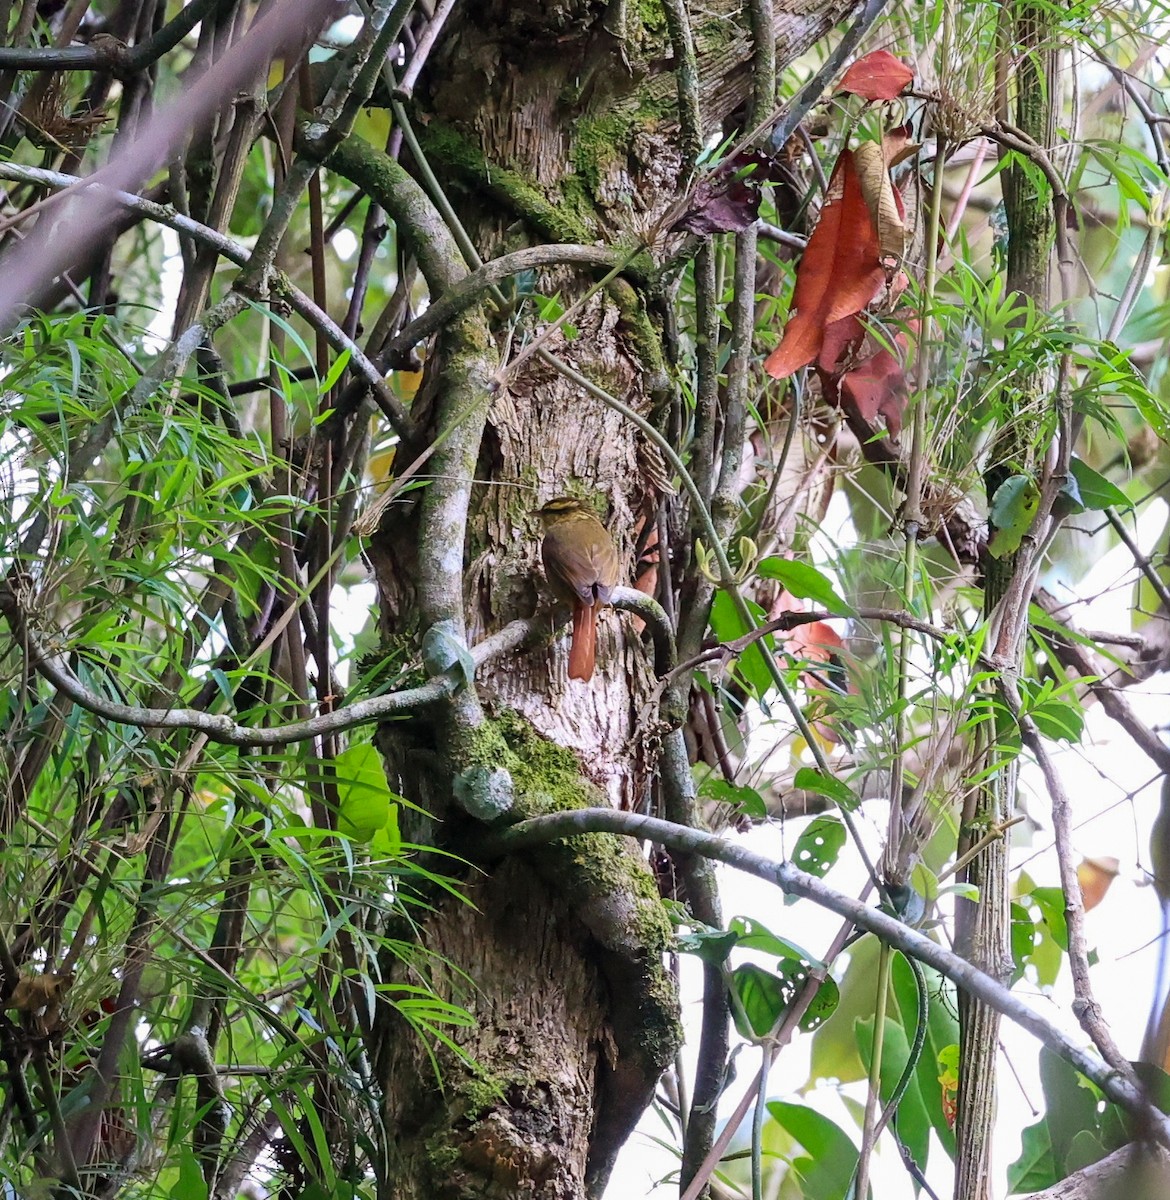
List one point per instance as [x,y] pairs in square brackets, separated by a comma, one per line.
[842,341]
[1095,875]
[721,206]
[877,76]
[840,272]
[878,387]
[816,643]
[646,570]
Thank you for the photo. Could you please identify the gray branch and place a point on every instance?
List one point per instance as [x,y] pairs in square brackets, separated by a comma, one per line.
[794,882]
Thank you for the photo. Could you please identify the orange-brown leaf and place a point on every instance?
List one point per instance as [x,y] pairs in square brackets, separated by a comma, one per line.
[878,388]
[877,76]
[840,272]
[1095,876]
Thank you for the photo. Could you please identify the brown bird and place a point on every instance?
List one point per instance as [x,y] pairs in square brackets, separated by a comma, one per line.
[582,566]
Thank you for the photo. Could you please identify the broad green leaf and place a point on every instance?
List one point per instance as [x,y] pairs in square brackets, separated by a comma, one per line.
[1012,508]
[834,1050]
[364,798]
[742,798]
[827,1170]
[806,582]
[727,625]
[1051,903]
[913,1120]
[711,945]
[1035,1169]
[810,779]
[1071,1106]
[1097,492]
[1059,720]
[942,1031]
[761,997]
[817,848]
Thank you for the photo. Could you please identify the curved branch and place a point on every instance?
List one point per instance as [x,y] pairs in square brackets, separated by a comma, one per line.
[218,727]
[631,600]
[468,290]
[794,882]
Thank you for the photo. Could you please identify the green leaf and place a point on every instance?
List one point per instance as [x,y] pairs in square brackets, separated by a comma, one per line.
[827,1170]
[1012,508]
[752,935]
[742,798]
[810,779]
[1035,1169]
[913,1121]
[335,371]
[190,1185]
[764,996]
[711,945]
[1084,1150]
[761,1000]
[1059,720]
[1050,901]
[1071,1106]
[822,1006]
[942,1031]
[364,799]
[805,582]
[1097,492]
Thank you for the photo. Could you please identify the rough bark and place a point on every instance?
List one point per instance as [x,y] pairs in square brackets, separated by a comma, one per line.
[547,124]
[983,929]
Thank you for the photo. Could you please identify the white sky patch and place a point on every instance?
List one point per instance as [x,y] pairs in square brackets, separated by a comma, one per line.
[345,244]
[158,333]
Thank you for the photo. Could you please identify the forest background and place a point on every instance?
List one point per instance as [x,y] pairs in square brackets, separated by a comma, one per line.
[320,875]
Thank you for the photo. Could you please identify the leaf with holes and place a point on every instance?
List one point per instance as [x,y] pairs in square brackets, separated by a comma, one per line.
[818,847]
[764,996]
[751,935]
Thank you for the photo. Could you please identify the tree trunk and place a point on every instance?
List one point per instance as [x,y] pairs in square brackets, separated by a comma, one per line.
[983,929]
[544,124]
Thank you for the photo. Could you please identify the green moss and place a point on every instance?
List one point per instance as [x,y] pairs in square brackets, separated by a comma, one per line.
[547,776]
[599,142]
[481,1094]
[660,1028]
[484,747]
[652,15]
[645,341]
[442,1158]
[460,158]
